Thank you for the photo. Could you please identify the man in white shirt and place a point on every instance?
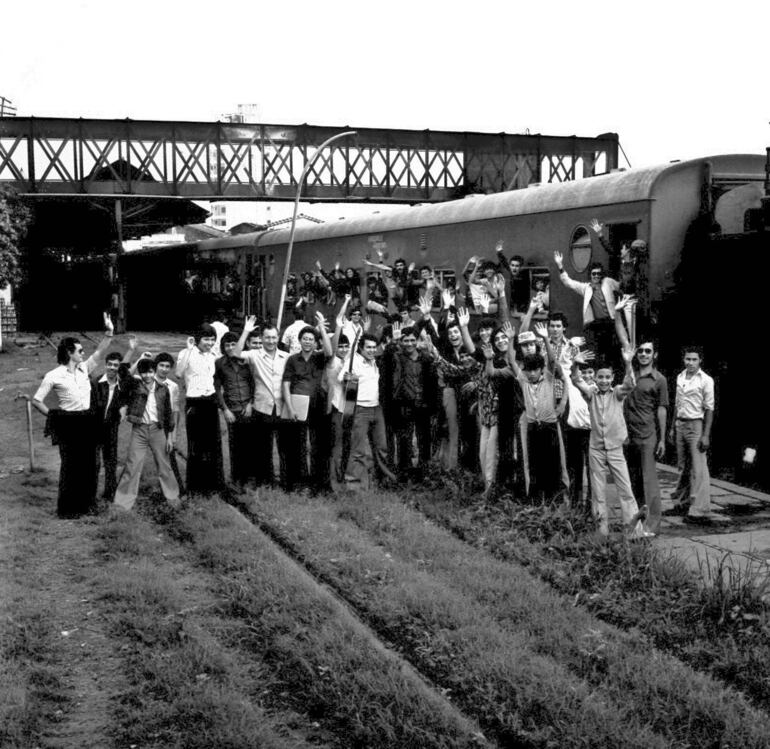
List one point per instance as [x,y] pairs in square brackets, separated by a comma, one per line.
[267,365]
[693,417]
[290,337]
[195,367]
[368,440]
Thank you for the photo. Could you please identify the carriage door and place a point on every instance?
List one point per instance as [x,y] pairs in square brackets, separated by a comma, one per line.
[254,290]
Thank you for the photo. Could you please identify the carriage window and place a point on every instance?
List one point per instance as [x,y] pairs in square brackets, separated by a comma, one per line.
[580,249]
[446,278]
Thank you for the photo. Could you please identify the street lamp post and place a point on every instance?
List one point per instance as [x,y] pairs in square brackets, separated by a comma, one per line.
[294,218]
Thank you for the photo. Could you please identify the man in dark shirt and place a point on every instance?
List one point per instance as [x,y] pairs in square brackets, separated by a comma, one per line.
[413,381]
[234,386]
[645,413]
[303,376]
[518,294]
[106,399]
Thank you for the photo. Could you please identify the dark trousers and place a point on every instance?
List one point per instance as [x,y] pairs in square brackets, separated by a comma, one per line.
[545,475]
[640,457]
[602,339]
[77,437]
[413,420]
[269,429]
[107,456]
[241,439]
[204,446]
[576,446]
[308,450]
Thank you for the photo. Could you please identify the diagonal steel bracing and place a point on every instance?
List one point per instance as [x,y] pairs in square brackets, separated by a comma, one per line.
[241,161]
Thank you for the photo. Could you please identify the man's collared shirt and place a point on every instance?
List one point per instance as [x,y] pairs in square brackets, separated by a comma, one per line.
[641,405]
[694,395]
[305,376]
[268,376]
[290,337]
[73,389]
[608,427]
[112,387]
[173,392]
[150,415]
[234,383]
[368,380]
[197,369]
[539,398]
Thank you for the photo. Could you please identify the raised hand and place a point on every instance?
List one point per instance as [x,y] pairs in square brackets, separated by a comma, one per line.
[133,342]
[446,298]
[109,328]
[367,323]
[508,330]
[488,351]
[596,225]
[463,317]
[425,305]
[558,258]
[410,268]
[318,264]
[250,323]
[540,330]
[625,300]
[628,354]
[396,331]
[499,246]
[588,355]
[578,341]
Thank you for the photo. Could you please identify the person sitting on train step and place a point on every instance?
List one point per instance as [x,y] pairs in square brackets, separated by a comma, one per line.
[267,366]
[518,294]
[414,386]
[598,308]
[234,383]
[148,407]
[195,367]
[369,447]
[290,337]
[304,407]
[691,428]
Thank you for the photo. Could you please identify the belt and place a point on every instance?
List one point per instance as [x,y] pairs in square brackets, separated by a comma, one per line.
[682,418]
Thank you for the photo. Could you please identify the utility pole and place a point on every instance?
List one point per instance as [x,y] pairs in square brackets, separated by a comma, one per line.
[6,107]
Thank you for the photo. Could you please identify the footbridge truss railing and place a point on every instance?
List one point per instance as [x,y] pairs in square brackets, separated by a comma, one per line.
[242,161]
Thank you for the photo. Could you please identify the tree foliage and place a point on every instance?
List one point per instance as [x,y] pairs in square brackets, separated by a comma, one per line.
[14,220]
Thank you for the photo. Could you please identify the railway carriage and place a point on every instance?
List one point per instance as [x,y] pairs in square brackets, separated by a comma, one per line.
[658,204]
[703,221]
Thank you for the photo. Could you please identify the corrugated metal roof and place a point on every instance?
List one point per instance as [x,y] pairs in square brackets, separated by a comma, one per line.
[618,187]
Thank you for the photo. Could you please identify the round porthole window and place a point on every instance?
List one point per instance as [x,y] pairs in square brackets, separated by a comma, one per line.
[580,249]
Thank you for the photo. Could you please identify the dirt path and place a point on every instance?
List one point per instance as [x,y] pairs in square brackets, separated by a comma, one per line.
[47,578]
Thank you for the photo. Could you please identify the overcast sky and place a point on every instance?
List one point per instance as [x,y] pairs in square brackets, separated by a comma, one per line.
[674,79]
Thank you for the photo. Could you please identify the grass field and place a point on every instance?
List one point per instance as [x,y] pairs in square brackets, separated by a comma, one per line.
[424,618]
